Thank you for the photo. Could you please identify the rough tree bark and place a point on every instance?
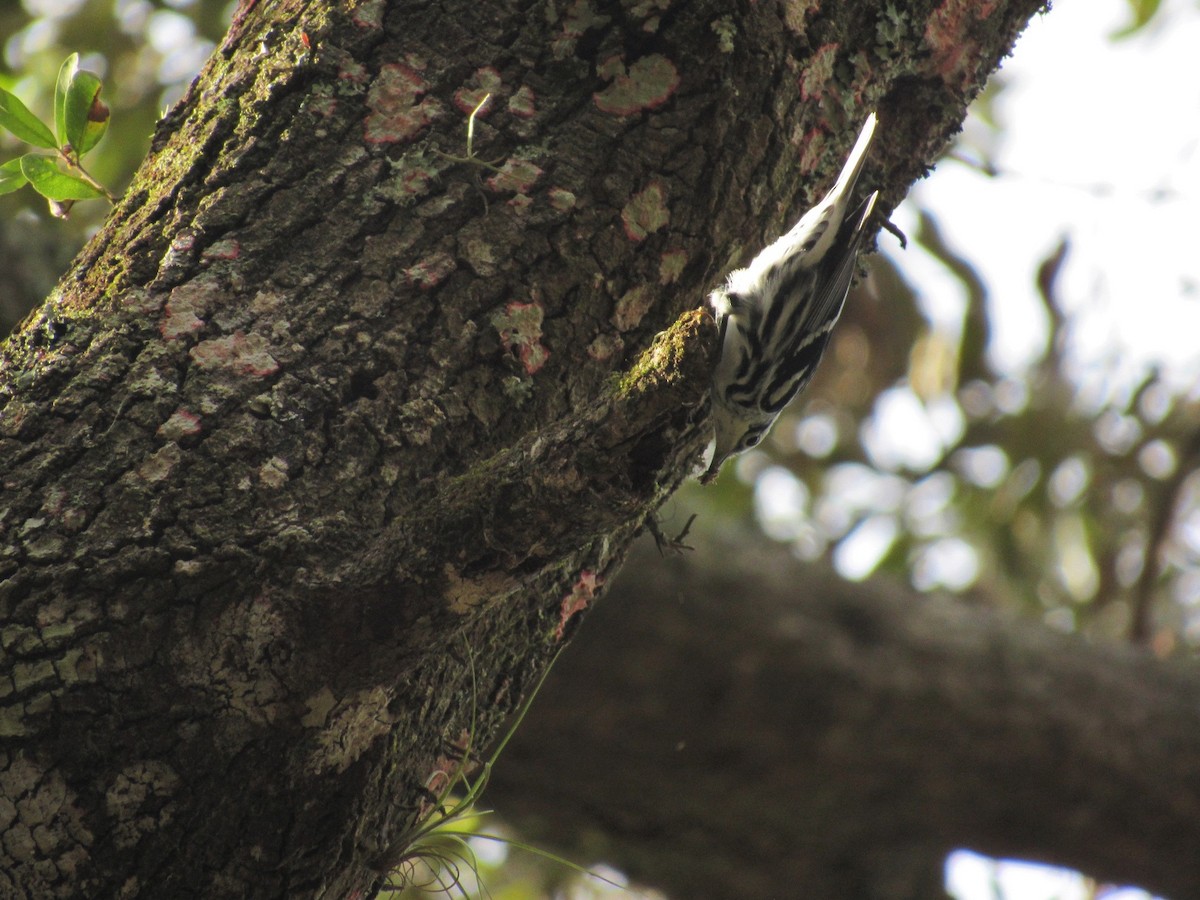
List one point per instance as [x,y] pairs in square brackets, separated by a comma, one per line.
[753,727]
[324,420]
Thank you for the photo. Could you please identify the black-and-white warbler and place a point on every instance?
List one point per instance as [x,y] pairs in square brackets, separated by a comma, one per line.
[775,315]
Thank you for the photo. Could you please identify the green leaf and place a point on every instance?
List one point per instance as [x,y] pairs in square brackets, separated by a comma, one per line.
[1143,11]
[11,176]
[97,125]
[52,183]
[95,131]
[66,75]
[86,117]
[17,118]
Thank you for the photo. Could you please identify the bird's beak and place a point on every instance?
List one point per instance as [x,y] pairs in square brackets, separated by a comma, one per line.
[711,472]
[726,434]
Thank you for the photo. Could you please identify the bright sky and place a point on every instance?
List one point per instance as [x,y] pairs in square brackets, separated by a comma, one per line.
[1100,143]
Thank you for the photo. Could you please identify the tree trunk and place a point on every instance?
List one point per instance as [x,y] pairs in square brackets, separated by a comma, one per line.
[752,727]
[329,424]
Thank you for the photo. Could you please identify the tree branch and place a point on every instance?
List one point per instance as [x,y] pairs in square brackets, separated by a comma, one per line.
[838,740]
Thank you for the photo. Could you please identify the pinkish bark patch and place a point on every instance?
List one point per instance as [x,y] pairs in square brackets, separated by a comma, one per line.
[579,18]
[605,346]
[647,85]
[517,175]
[523,104]
[670,266]
[431,271]
[185,308]
[266,303]
[368,14]
[325,107]
[611,67]
[410,179]
[581,596]
[144,302]
[520,327]
[184,242]
[814,148]
[444,768]
[354,72]
[949,33]
[520,202]
[795,14]
[159,465]
[182,423]
[238,353]
[415,181]
[819,72]
[274,472]
[227,249]
[646,212]
[397,111]
[632,308]
[483,82]
[178,322]
[561,199]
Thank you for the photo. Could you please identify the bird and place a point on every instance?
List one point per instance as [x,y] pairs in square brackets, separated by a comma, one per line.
[775,316]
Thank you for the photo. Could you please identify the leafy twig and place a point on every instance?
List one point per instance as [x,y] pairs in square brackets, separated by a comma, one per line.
[421,846]
[80,121]
[471,158]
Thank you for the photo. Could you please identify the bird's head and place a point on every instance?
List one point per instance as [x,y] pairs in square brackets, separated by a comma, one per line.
[732,435]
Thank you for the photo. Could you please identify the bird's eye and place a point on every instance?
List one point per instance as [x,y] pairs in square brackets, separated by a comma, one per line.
[751,439]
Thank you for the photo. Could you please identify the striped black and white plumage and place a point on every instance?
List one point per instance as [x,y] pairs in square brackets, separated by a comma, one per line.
[775,315]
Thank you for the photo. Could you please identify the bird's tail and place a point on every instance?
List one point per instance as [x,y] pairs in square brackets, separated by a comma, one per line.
[856,159]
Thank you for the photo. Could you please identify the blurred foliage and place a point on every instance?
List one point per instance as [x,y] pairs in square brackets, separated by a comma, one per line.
[146,53]
[80,123]
[1141,13]
[497,871]
[913,455]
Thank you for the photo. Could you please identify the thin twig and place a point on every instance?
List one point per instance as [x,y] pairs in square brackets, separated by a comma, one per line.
[1140,624]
